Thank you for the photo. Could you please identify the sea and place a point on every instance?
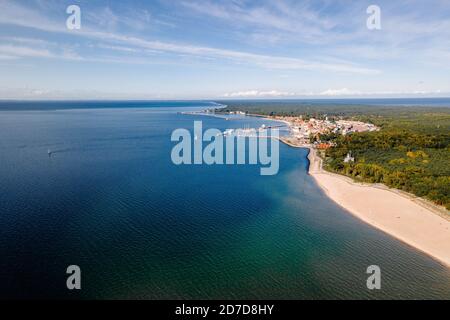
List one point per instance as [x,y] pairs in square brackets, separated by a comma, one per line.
[109,199]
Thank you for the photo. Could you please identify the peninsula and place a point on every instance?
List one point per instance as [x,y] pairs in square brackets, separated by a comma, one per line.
[365,189]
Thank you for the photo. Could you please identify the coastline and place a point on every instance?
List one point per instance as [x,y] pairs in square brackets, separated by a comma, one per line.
[397,214]
[410,219]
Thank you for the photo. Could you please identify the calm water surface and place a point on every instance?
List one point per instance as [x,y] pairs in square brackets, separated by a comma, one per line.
[110,200]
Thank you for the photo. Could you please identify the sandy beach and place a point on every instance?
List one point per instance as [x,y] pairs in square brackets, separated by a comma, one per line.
[400,215]
[413,220]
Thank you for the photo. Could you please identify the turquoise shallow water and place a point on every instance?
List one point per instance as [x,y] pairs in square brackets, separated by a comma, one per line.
[111,201]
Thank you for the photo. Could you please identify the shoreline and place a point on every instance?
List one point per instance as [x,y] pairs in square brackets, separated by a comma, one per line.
[416,223]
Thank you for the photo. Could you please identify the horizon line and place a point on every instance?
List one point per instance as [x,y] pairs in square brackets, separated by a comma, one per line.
[214,100]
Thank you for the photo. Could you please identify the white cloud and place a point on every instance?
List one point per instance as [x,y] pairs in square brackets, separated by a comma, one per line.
[319,38]
[355,93]
[28,41]
[19,51]
[277,17]
[7,57]
[44,94]
[343,92]
[13,14]
[258,94]
[340,92]
[13,51]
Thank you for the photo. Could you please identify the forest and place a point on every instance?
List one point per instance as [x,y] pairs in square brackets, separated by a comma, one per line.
[411,152]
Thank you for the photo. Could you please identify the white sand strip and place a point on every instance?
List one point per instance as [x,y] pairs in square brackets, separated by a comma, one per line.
[389,211]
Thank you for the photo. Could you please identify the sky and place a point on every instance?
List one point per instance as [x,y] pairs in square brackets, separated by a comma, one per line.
[224,49]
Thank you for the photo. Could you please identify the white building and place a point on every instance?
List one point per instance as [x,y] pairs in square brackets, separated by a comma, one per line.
[349,158]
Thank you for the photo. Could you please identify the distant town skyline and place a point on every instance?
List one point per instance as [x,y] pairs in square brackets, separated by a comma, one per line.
[224,50]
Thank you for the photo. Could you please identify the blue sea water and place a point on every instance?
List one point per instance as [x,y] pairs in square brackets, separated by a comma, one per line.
[110,200]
